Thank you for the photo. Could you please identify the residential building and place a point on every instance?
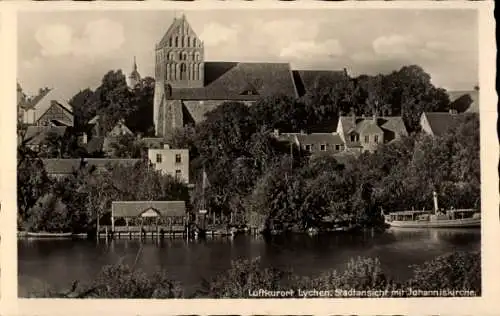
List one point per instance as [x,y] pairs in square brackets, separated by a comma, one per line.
[120,129]
[361,134]
[35,136]
[315,143]
[467,100]
[48,108]
[174,162]
[58,168]
[438,123]
[187,86]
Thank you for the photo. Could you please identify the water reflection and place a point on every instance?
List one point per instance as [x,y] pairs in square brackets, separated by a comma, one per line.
[59,262]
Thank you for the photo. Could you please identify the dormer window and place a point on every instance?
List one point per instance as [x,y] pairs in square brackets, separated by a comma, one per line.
[249,92]
[354,138]
[376,139]
[308,147]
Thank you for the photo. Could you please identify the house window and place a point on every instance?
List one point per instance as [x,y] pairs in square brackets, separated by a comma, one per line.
[323,147]
[158,158]
[177,174]
[367,139]
[376,139]
[177,158]
[337,147]
[308,147]
[353,138]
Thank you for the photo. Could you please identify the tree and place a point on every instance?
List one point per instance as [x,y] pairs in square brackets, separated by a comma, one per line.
[127,146]
[32,182]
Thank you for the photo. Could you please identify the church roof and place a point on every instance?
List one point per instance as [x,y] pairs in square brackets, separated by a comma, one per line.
[177,23]
[306,80]
[233,81]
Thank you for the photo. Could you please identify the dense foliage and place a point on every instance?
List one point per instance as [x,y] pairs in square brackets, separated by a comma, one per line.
[251,172]
[456,271]
[113,100]
[72,204]
[253,175]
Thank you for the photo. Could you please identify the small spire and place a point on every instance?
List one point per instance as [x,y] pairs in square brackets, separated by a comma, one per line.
[135,64]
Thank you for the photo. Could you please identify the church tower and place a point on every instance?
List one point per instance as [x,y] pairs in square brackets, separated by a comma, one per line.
[179,64]
[134,78]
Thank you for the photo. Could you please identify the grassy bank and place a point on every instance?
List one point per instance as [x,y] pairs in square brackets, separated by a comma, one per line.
[361,277]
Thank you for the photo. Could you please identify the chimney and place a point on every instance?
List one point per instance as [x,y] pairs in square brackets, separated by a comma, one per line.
[436,206]
[166,146]
[302,132]
[375,116]
[276,132]
[453,111]
[84,138]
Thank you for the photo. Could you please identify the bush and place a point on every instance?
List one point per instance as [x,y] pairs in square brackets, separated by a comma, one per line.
[454,271]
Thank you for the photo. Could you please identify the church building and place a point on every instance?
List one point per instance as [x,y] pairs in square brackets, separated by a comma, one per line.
[187,86]
[134,78]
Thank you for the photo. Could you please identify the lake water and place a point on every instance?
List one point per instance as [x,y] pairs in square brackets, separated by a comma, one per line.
[59,262]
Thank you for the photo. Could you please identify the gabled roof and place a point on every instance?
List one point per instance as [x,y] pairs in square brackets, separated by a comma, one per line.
[153,142]
[61,166]
[394,124]
[440,122]
[307,80]
[37,134]
[68,166]
[359,125]
[474,95]
[95,144]
[177,23]
[320,139]
[368,126]
[227,81]
[120,129]
[44,101]
[136,208]
[287,137]
[94,120]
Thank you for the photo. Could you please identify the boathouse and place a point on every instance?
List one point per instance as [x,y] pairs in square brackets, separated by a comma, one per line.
[155,217]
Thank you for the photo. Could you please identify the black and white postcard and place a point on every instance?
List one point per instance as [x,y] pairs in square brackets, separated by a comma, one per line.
[265,154]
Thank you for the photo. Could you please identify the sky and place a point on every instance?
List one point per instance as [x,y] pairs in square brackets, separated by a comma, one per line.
[73,50]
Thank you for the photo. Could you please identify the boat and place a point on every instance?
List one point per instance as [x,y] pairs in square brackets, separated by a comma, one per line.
[48,235]
[452,218]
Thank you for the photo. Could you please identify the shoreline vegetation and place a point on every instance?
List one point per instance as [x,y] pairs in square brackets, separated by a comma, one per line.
[256,180]
[452,274]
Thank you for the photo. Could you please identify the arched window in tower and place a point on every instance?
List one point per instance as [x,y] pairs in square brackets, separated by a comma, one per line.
[170,42]
[182,41]
[194,42]
[176,41]
[183,72]
[189,41]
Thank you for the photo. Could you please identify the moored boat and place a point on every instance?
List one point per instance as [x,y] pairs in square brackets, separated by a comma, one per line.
[48,235]
[453,218]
